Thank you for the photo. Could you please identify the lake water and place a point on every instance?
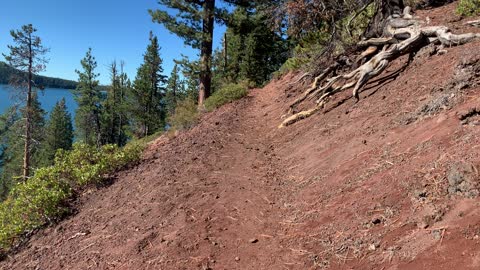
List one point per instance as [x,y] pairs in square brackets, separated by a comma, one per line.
[48,98]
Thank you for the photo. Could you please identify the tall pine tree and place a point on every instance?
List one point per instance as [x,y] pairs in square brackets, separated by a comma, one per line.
[195,24]
[13,148]
[88,97]
[174,90]
[27,55]
[146,98]
[58,133]
[252,50]
[7,122]
[113,129]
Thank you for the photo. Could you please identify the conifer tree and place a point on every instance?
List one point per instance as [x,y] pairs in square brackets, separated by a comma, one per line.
[194,23]
[173,90]
[27,55]
[7,121]
[88,97]
[13,148]
[125,86]
[58,133]
[113,115]
[255,51]
[146,103]
[196,28]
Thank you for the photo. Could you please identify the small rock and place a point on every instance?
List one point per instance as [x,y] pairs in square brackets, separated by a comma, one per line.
[372,247]
[420,193]
[376,221]
[423,225]
[437,235]
[237,259]
[253,240]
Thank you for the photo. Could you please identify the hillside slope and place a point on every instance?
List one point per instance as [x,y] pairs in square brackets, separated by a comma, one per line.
[390,182]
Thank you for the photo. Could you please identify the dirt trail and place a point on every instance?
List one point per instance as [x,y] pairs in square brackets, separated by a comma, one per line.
[211,196]
[391,182]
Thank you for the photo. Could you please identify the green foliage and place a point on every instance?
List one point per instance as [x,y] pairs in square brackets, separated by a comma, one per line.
[251,50]
[13,146]
[58,133]
[327,40]
[86,164]
[307,49]
[114,114]
[468,7]
[145,99]
[43,197]
[185,116]
[226,94]
[32,204]
[174,90]
[88,97]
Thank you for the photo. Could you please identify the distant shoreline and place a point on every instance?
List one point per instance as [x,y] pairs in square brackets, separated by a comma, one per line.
[6,85]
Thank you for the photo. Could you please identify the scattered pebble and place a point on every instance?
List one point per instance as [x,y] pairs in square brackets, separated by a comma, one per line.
[253,240]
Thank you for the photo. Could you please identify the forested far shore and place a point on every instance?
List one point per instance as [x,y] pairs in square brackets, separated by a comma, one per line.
[6,73]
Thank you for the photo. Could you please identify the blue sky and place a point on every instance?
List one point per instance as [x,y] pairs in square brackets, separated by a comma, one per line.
[116,30]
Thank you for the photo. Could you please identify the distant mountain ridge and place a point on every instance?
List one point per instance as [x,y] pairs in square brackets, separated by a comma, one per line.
[7,71]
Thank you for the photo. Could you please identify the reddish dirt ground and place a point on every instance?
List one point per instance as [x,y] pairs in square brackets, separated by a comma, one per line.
[390,182]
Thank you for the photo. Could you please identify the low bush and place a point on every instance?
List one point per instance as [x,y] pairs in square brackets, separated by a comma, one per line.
[185,116]
[226,94]
[468,7]
[42,198]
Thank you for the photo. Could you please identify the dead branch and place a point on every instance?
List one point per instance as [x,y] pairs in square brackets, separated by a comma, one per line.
[306,74]
[402,36]
[475,23]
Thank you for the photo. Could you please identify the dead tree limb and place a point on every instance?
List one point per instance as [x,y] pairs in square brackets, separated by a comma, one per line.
[402,36]
[475,23]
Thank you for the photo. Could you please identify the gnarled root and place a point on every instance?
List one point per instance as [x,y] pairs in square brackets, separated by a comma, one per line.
[403,36]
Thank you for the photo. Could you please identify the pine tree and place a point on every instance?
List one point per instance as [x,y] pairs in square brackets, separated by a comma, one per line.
[7,121]
[13,148]
[146,103]
[173,90]
[113,115]
[195,24]
[27,56]
[125,86]
[88,97]
[255,51]
[58,133]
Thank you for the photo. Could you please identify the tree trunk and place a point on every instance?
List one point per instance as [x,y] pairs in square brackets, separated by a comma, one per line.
[385,9]
[225,52]
[26,151]
[206,51]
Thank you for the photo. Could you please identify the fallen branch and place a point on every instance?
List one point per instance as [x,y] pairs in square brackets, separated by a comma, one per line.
[475,23]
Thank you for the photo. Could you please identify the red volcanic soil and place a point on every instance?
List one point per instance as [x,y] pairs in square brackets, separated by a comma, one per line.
[390,182]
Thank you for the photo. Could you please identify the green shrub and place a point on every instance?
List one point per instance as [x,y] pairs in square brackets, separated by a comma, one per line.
[42,198]
[226,94]
[32,204]
[468,7]
[185,115]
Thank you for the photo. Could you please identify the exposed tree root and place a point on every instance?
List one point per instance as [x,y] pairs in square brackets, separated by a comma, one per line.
[404,35]
[475,23]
